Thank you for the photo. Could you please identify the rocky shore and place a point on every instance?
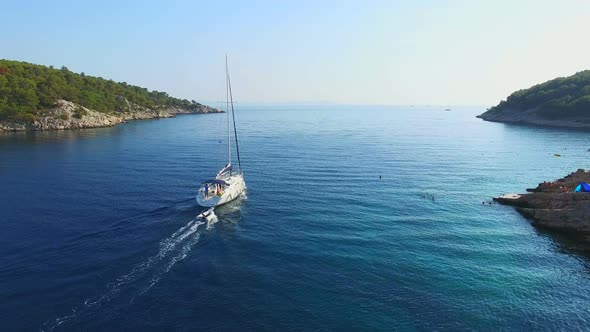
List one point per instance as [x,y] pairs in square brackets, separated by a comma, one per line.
[67,115]
[534,117]
[555,205]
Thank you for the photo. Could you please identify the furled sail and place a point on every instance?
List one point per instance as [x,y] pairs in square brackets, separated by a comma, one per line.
[225,170]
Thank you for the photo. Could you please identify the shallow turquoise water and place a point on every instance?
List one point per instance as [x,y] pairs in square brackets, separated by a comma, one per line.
[98,229]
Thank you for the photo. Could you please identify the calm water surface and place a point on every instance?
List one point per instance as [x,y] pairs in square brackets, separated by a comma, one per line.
[97,228]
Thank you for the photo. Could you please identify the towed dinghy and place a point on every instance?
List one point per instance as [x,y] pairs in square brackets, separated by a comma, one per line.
[208,215]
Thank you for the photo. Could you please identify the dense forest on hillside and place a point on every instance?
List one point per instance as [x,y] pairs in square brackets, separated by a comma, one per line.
[564,96]
[26,88]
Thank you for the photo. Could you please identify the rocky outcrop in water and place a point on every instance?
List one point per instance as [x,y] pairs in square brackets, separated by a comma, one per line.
[67,115]
[555,205]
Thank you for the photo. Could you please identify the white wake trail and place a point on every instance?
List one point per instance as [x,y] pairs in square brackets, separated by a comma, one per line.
[171,250]
[186,248]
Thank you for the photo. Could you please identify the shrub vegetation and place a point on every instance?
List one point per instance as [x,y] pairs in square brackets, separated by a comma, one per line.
[26,88]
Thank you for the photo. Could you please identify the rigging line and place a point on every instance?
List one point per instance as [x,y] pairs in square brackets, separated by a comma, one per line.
[231,98]
[227,97]
[219,139]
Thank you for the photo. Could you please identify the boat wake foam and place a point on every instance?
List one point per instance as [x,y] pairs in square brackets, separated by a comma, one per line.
[142,277]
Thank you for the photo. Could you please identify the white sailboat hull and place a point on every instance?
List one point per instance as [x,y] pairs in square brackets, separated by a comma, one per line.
[236,186]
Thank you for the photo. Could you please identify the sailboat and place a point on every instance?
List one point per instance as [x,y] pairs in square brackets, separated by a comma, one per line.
[228,184]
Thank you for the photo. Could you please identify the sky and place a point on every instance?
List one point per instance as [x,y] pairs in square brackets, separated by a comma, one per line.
[346,52]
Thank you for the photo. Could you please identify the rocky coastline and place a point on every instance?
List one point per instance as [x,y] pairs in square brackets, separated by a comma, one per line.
[533,117]
[68,115]
[554,205]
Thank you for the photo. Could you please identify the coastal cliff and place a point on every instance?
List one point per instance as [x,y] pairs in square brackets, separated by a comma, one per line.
[68,115]
[561,102]
[555,205]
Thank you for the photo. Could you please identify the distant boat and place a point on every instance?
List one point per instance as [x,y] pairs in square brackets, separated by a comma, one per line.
[447,110]
[228,184]
[557,154]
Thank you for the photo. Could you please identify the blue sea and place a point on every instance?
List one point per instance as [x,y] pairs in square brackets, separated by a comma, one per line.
[355,218]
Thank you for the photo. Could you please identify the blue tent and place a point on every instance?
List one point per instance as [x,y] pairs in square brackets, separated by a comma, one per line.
[582,187]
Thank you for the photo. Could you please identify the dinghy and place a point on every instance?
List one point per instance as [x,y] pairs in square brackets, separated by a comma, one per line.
[208,215]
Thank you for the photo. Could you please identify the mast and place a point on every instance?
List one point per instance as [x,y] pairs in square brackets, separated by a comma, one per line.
[227,92]
[231,98]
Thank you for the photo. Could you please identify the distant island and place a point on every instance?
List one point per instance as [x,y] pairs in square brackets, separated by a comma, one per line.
[35,97]
[561,102]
